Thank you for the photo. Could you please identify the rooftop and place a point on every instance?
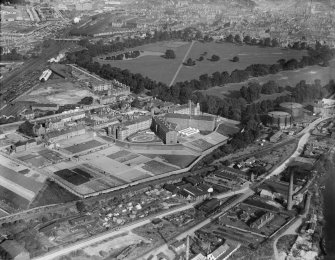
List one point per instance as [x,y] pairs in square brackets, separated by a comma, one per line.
[12,248]
[194,117]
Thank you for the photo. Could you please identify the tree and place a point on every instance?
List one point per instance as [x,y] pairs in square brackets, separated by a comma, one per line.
[27,129]
[86,101]
[247,39]
[136,103]
[230,38]
[169,54]
[215,57]
[235,59]
[237,38]
[80,206]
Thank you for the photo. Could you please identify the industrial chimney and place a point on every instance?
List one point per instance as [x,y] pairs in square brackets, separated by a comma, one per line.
[290,193]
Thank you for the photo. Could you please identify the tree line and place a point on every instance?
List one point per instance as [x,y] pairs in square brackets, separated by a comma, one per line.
[181,92]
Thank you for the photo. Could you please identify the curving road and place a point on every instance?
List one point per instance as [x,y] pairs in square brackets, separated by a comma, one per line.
[245,194]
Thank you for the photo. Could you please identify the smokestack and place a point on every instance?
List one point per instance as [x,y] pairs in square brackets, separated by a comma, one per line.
[290,193]
[190,107]
[307,202]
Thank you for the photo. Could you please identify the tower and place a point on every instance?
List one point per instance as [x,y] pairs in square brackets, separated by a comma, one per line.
[290,193]
[187,257]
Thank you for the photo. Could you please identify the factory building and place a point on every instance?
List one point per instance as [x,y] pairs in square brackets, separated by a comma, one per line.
[279,119]
[165,130]
[188,109]
[325,107]
[200,122]
[262,221]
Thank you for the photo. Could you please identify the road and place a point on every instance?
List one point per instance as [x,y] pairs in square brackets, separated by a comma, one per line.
[246,193]
[302,141]
[181,65]
[191,231]
[112,233]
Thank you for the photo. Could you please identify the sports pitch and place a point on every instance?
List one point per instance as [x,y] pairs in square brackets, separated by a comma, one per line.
[160,69]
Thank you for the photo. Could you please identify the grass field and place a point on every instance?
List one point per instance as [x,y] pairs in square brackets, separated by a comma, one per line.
[52,193]
[77,148]
[284,78]
[75,176]
[180,160]
[12,199]
[157,168]
[160,69]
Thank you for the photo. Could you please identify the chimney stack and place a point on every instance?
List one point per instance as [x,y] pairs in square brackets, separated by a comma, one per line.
[290,193]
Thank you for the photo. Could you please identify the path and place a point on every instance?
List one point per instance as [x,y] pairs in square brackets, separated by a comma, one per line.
[181,65]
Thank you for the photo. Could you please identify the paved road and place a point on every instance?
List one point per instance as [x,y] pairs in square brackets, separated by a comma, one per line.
[112,233]
[181,65]
[247,193]
[191,231]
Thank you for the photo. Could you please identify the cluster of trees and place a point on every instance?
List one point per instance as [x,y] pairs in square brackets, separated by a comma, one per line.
[215,58]
[126,55]
[13,55]
[86,101]
[235,59]
[189,62]
[182,91]
[169,54]
[252,92]
[251,116]
[26,128]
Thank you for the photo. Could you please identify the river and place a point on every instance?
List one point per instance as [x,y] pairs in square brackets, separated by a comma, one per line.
[329,214]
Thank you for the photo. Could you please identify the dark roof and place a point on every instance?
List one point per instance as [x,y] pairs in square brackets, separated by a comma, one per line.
[12,248]
[166,126]
[44,105]
[170,187]
[193,117]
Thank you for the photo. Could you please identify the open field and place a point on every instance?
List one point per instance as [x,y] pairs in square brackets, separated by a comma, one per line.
[284,78]
[57,91]
[12,199]
[52,193]
[77,148]
[180,160]
[160,69]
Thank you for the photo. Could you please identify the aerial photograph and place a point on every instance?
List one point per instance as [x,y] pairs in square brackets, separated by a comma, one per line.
[167,130]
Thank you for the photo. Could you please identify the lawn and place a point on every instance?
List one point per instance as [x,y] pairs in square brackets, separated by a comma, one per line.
[160,69]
